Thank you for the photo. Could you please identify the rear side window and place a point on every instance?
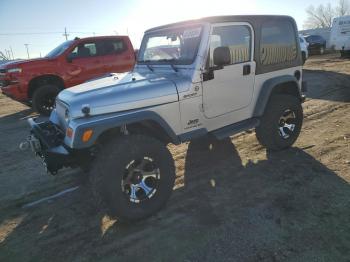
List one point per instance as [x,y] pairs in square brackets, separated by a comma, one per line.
[112,46]
[278,43]
[236,37]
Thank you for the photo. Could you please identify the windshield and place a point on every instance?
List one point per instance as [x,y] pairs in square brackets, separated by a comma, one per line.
[177,45]
[59,49]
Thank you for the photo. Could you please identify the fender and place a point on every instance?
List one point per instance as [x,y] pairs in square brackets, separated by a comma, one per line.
[99,124]
[270,86]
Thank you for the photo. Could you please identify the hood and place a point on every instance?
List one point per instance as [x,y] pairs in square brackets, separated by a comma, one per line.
[14,63]
[120,92]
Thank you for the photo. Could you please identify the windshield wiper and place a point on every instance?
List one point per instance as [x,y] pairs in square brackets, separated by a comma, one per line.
[171,64]
[146,63]
[149,67]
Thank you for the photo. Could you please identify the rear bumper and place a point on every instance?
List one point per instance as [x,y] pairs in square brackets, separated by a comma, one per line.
[46,141]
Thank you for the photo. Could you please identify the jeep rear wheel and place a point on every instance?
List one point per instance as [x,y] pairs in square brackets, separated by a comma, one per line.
[133,177]
[44,98]
[281,123]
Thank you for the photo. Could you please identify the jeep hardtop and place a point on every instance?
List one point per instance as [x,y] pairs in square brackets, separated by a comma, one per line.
[215,76]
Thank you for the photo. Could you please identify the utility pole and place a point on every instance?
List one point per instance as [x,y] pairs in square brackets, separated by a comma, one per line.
[65,33]
[26,45]
[13,57]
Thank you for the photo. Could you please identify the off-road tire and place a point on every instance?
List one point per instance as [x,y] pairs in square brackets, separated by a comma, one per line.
[44,98]
[108,169]
[267,132]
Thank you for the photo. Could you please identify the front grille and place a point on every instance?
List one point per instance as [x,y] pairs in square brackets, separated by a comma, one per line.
[4,83]
[61,108]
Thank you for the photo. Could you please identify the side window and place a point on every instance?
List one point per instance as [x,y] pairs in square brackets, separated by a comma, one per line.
[84,50]
[112,46]
[278,43]
[236,37]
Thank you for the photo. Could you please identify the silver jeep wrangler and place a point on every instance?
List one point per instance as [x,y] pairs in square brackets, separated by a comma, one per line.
[214,76]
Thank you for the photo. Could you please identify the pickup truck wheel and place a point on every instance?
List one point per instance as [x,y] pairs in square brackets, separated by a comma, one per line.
[321,51]
[133,177]
[44,98]
[281,123]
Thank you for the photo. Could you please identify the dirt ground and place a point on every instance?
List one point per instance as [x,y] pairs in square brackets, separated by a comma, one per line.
[233,202]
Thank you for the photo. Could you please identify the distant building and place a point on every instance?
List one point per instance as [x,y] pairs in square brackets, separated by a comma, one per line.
[324,32]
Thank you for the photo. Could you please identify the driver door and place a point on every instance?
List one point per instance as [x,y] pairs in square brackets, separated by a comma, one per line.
[85,63]
[229,88]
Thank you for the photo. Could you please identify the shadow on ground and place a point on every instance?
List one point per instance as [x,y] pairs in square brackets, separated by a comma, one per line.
[327,85]
[288,207]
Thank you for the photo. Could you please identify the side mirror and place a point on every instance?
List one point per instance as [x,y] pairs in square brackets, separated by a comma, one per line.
[222,56]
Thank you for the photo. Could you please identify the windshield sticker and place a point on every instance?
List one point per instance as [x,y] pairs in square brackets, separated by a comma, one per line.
[192,33]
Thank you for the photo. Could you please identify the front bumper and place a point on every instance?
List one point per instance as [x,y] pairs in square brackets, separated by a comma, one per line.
[46,140]
[15,92]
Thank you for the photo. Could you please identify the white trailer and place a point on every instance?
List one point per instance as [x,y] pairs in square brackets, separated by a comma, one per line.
[340,34]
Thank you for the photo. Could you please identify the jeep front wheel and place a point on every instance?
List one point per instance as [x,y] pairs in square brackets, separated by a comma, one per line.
[281,123]
[133,177]
[44,98]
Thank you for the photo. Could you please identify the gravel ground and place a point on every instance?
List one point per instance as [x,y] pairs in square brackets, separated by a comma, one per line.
[233,200]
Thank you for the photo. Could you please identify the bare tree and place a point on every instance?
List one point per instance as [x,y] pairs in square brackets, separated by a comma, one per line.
[322,16]
[343,8]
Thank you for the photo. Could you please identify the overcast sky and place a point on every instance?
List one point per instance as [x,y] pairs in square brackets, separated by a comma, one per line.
[41,23]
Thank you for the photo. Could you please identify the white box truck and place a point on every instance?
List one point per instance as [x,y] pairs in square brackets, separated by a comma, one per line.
[340,35]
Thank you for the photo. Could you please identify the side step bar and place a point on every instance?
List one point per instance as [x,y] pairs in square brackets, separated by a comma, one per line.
[236,128]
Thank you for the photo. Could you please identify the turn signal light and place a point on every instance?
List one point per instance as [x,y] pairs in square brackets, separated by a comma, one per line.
[87,135]
[69,132]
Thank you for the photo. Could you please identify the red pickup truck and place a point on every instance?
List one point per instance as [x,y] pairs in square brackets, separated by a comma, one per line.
[73,62]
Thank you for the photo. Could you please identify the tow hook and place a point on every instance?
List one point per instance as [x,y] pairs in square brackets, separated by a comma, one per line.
[32,143]
[24,146]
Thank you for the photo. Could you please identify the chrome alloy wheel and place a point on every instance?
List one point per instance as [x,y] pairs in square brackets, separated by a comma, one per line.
[286,124]
[141,179]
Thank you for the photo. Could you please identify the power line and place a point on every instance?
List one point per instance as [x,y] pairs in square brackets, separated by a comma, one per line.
[36,33]
[43,33]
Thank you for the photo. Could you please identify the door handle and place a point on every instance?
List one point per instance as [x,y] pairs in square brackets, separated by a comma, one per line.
[246,70]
